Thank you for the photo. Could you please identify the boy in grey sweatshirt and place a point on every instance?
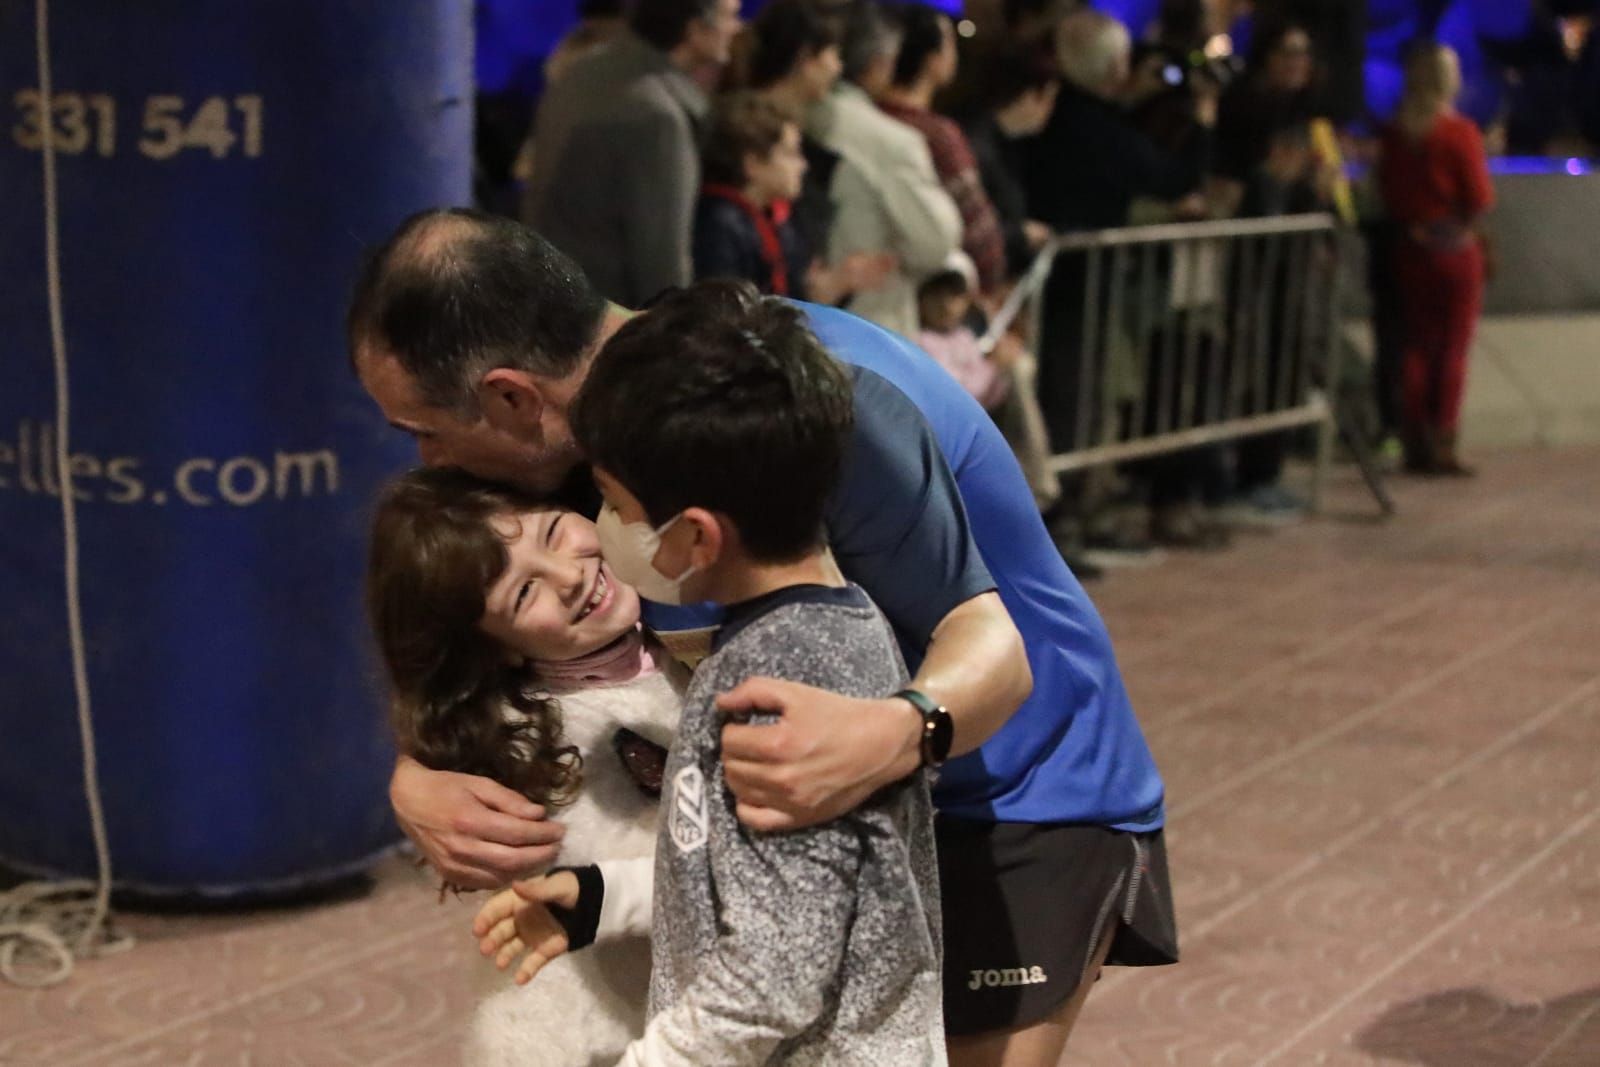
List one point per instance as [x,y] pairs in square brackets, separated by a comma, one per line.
[717,432]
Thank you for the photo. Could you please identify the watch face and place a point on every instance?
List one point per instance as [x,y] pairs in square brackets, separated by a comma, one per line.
[943,733]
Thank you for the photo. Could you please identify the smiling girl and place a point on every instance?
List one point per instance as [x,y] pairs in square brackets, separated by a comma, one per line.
[514,653]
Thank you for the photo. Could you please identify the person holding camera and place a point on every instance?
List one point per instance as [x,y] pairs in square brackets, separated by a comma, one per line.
[1083,171]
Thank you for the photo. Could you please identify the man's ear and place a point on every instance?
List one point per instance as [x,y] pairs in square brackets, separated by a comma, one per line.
[511,400]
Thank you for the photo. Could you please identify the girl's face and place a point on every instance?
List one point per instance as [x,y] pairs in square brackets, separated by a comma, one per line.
[556,599]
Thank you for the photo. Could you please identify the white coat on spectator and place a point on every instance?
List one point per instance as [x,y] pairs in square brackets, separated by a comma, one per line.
[888,199]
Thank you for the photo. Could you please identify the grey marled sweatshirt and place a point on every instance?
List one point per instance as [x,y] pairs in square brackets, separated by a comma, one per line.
[817,946]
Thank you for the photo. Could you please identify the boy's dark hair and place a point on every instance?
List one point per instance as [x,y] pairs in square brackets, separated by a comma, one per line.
[721,398]
[785,32]
[742,124]
[456,293]
[1019,69]
[665,23]
[921,36]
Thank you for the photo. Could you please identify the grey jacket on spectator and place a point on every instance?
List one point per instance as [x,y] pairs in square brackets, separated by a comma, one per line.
[889,200]
[616,169]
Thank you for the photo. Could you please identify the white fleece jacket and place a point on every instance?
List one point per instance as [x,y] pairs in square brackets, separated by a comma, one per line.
[584,1008]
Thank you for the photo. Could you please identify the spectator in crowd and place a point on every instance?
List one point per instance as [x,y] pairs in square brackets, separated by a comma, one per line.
[888,196]
[1019,98]
[1337,30]
[1433,174]
[599,22]
[1000,377]
[1279,89]
[1265,166]
[1289,179]
[617,164]
[1088,164]
[945,305]
[753,168]
[1160,99]
[794,64]
[1084,170]
[926,63]
[1000,31]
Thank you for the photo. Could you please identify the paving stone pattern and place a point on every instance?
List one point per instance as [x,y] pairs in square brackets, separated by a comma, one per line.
[1382,749]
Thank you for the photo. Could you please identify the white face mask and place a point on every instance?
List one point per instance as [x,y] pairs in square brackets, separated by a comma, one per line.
[630,548]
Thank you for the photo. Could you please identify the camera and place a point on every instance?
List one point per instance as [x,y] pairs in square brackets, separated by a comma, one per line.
[1178,69]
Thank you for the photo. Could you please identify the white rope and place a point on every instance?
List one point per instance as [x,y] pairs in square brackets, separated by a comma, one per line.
[45,926]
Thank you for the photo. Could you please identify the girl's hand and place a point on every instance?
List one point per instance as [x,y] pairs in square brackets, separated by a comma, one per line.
[518,920]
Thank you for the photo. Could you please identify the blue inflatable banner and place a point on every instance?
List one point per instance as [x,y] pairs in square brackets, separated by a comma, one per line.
[221,168]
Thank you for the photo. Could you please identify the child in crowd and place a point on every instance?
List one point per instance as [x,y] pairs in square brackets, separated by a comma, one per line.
[945,314]
[820,945]
[514,652]
[1002,380]
[753,168]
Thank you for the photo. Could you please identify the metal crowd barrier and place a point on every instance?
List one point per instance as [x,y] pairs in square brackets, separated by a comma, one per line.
[1156,339]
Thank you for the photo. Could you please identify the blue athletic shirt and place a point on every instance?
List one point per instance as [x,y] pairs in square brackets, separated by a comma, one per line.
[922,449]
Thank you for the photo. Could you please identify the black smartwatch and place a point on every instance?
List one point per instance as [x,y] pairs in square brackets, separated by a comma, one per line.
[938,730]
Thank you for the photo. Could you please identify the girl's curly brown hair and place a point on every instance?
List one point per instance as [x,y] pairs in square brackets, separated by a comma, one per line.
[433,557]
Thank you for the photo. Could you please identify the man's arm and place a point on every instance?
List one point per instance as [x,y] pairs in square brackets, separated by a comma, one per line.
[829,753]
[474,831]
[899,529]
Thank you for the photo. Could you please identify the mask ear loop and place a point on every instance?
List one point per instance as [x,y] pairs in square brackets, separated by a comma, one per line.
[661,531]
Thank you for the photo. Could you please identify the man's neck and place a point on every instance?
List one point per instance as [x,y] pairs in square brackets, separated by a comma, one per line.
[741,580]
[915,97]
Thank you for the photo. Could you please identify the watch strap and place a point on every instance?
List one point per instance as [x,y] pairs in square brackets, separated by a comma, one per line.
[936,726]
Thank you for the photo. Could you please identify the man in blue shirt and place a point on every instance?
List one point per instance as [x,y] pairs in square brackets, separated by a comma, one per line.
[474,335]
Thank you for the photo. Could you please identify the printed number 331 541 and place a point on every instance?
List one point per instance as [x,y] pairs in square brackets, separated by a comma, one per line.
[87,122]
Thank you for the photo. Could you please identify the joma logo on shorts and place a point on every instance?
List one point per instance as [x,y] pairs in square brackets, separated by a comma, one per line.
[1009,976]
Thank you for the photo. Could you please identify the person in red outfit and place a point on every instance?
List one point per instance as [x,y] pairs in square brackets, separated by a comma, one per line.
[1434,177]
[925,64]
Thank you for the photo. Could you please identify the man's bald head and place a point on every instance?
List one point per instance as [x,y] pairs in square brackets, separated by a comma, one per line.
[455,294]
[1092,51]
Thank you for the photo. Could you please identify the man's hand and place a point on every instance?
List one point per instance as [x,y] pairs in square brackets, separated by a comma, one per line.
[475,832]
[518,920]
[823,757]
